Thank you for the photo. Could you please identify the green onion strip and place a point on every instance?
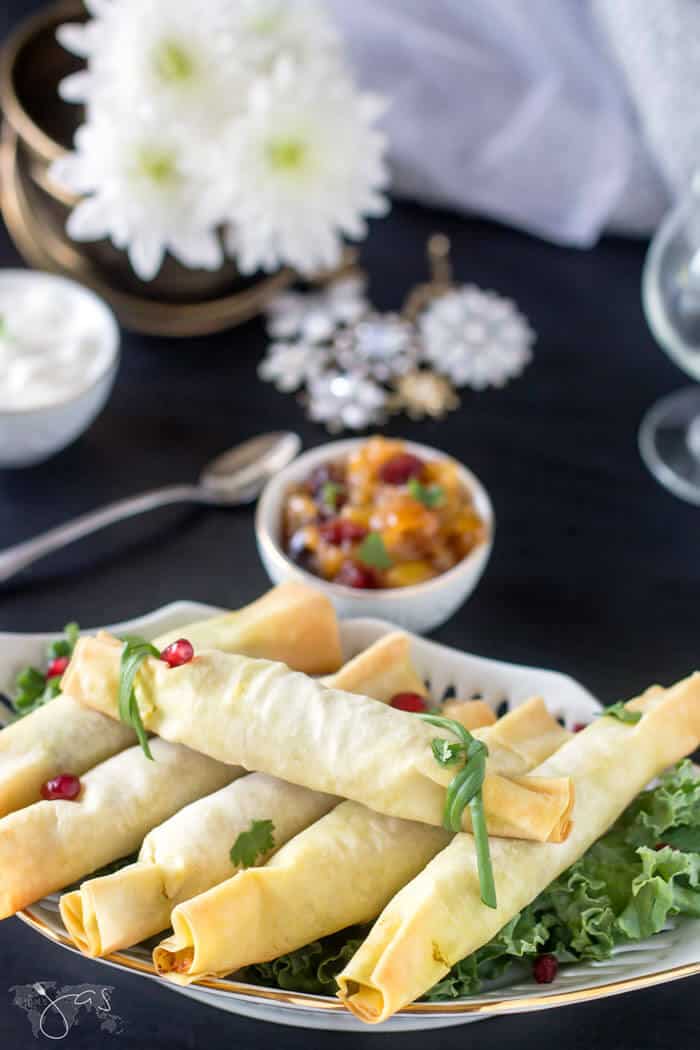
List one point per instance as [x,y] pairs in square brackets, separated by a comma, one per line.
[464,790]
[134,653]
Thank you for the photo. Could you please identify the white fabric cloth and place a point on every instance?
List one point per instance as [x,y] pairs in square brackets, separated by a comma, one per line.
[516,109]
[658,49]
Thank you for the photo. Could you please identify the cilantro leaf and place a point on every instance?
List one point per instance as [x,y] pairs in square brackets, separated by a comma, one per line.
[252,844]
[331,493]
[372,552]
[429,495]
[622,713]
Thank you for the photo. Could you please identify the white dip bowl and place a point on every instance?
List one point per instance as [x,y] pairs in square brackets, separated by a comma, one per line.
[40,415]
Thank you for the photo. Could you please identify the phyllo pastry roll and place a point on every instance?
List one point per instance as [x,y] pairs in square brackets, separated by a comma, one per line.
[340,871]
[313,882]
[381,671]
[181,858]
[190,853]
[438,918]
[60,737]
[267,718]
[293,623]
[50,844]
[472,714]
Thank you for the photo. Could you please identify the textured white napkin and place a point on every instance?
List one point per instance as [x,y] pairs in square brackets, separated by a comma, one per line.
[516,109]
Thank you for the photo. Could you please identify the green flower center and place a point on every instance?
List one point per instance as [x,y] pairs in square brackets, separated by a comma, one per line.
[286,154]
[172,63]
[156,165]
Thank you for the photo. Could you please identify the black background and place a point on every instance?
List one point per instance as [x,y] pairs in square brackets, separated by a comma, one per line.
[595,568]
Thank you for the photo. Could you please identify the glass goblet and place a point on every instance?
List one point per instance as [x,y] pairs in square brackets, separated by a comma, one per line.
[669,436]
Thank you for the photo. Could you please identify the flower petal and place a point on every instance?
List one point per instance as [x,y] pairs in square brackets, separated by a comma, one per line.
[70,173]
[201,250]
[146,256]
[75,37]
[76,87]
[88,221]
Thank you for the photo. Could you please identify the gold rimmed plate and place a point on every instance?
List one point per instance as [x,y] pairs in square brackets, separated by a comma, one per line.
[671,954]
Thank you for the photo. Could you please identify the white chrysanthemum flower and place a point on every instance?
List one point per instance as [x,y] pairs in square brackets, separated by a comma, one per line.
[265,30]
[147,190]
[309,166]
[161,59]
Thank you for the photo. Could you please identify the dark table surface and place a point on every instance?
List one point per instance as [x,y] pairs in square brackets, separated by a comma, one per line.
[595,568]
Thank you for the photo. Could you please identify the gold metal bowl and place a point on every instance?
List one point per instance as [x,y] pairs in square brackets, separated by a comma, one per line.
[38,128]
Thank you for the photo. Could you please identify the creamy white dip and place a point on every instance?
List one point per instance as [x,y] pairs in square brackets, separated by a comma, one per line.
[52,343]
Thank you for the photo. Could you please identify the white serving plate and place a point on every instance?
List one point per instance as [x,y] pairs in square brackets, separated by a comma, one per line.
[671,954]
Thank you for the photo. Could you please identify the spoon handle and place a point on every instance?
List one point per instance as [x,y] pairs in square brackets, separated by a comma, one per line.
[22,554]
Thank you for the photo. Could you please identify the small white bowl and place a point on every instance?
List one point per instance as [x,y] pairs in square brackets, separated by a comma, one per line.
[30,435]
[419,608]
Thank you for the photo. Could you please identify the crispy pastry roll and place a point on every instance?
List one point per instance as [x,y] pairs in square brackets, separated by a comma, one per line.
[473,714]
[267,718]
[190,853]
[293,623]
[48,845]
[438,918]
[381,671]
[60,737]
[186,855]
[340,871]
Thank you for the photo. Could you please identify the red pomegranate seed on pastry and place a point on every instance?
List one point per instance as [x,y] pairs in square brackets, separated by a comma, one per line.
[64,786]
[178,653]
[409,702]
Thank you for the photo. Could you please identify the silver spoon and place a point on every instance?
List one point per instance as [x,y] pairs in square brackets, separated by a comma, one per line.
[234,477]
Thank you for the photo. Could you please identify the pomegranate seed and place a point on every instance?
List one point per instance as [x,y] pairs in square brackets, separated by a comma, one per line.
[578,726]
[339,530]
[353,575]
[64,786]
[400,468]
[57,666]
[545,969]
[178,653]
[409,702]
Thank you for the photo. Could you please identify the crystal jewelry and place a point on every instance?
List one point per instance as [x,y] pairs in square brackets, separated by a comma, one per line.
[354,366]
[476,338]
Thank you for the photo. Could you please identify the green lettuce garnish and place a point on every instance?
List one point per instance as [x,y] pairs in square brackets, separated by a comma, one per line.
[626,887]
[32,688]
[312,968]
